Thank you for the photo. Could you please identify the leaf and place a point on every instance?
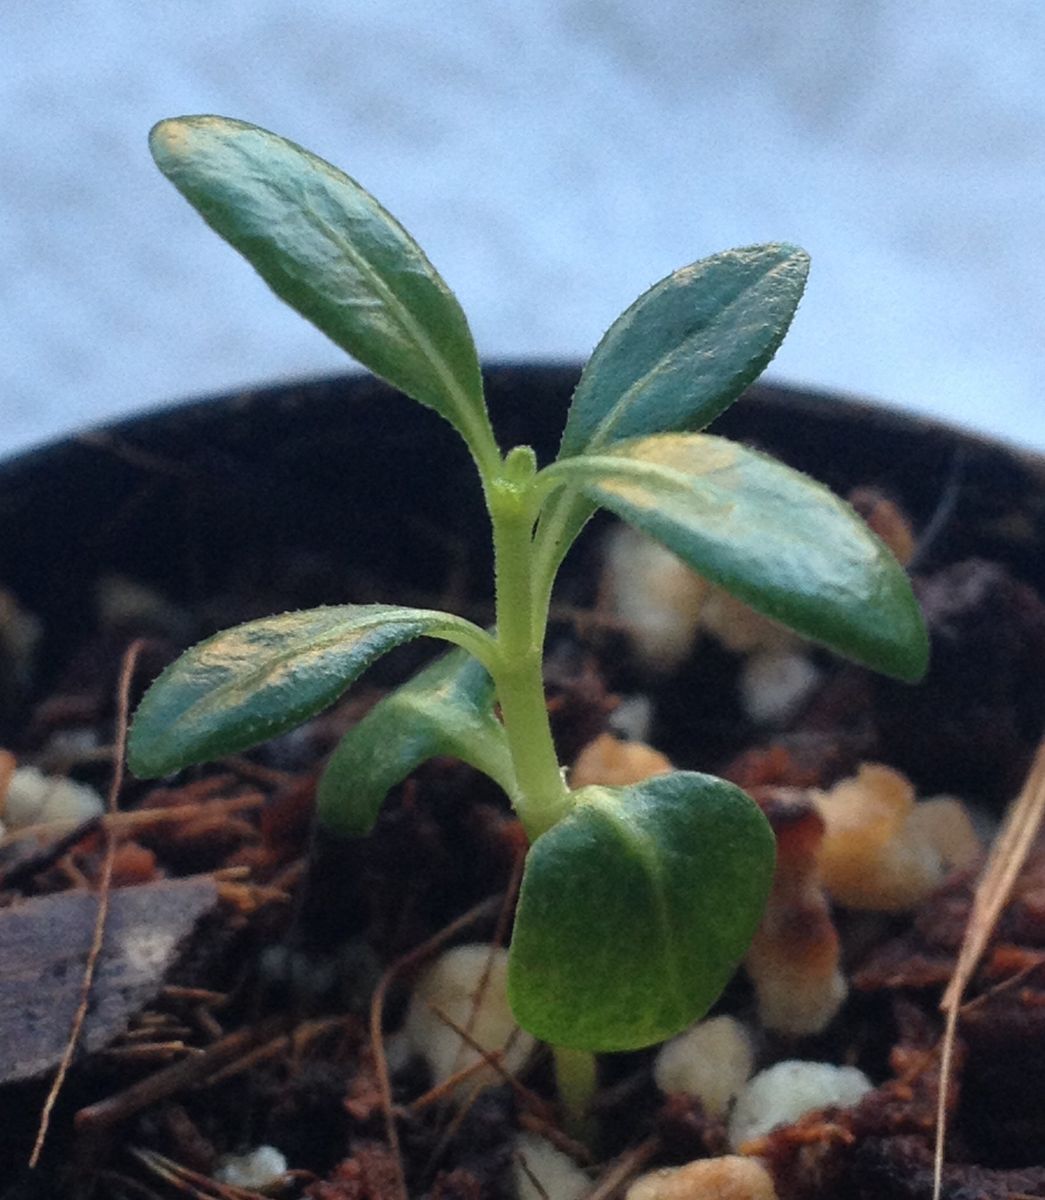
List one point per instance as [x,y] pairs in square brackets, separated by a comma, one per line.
[445,709]
[250,683]
[674,360]
[635,910]
[687,348]
[328,248]
[772,536]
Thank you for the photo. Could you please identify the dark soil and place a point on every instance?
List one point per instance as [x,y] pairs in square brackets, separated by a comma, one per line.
[252,1026]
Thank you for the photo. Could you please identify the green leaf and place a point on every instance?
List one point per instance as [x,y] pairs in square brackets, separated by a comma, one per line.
[772,536]
[328,248]
[635,910]
[687,348]
[679,356]
[250,683]
[445,709]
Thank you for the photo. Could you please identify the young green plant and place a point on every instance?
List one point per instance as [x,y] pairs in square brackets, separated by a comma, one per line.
[637,902]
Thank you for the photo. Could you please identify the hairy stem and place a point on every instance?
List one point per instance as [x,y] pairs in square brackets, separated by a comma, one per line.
[543,797]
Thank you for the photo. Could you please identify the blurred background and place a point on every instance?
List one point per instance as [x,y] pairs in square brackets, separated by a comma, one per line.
[554,157]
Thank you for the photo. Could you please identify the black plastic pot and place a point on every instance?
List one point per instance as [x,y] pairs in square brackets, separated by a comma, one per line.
[346,473]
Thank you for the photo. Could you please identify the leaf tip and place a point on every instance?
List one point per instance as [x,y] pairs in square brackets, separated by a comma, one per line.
[167,138]
[912,664]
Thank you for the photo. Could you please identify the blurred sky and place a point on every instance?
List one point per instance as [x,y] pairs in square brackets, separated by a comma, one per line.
[554,157]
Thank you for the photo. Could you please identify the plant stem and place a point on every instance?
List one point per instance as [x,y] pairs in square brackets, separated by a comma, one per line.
[575,1076]
[543,796]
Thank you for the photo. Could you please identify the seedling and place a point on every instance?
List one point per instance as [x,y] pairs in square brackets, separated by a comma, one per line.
[636,902]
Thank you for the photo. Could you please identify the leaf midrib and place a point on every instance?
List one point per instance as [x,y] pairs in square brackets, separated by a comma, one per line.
[460,404]
[630,396]
[645,849]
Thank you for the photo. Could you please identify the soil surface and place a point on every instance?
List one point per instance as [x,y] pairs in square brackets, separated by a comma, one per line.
[253,975]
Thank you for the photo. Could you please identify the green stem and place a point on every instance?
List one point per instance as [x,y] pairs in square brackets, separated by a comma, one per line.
[543,796]
[575,1076]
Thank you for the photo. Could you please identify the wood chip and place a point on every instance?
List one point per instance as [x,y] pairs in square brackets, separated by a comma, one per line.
[44,944]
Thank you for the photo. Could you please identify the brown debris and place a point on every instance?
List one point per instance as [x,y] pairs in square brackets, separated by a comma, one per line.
[370,1174]
[133,864]
[776,765]
[901,1168]
[172,1080]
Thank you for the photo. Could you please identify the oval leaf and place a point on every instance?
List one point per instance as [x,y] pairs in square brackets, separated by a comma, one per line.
[679,356]
[687,348]
[445,709]
[779,540]
[635,910]
[328,248]
[248,684]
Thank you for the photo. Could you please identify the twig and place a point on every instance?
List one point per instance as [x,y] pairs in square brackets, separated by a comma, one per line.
[485,908]
[195,995]
[21,873]
[493,1059]
[174,1078]
[130,660]
[285,1041]
[504,918]
[201,1187]
[127,1185]
[138,819]
[535,1183]
[623,1169]
[1007,858]
[151,1051]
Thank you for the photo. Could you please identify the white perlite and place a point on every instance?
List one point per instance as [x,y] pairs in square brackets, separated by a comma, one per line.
[784,1092]
[258,1168]
[34,799]
[712,1061]
[774,684]
[654,594]
[450,987]
[541,1170]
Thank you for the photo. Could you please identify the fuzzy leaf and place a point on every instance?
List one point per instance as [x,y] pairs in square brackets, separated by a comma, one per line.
[445,709]
[635,910]
[248,684]
[687,348]
[674,360]
[772,536]
[328,248]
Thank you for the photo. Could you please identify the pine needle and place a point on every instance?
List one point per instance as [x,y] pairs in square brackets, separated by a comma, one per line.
[1007,858]
[130,660]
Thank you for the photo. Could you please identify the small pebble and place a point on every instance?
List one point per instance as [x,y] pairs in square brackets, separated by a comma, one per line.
[35,799]
[258,1168]
[609,762]
[775,683]
[711,1061]
[654,594]
[451,986]
[543,1172]
[632,719]
[784,1092]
